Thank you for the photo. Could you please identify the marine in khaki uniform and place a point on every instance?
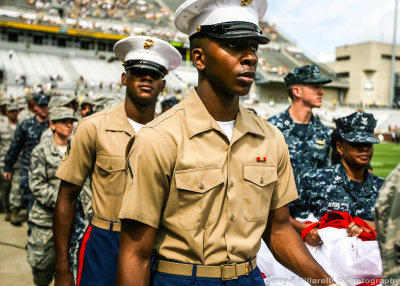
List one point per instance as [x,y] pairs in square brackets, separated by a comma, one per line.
[97,151]
[207,179]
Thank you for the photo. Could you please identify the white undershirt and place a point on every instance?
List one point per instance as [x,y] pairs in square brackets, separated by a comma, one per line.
[227,127]
[135,125]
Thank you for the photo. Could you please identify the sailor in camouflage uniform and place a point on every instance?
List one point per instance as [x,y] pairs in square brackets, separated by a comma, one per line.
[347,186]
[307,138]
[11,198]
[387,218]
[44,185]
[26,137]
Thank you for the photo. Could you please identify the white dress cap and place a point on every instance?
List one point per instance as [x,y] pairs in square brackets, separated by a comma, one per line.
[194,13]
[149,52]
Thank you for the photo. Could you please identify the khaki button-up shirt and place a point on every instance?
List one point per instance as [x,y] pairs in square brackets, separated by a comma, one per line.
[98,150]
[209,197]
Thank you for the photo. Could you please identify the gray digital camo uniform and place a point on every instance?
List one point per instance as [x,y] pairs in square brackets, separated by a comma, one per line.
[329,189]
[44,185]
[7,131]
[387,214]
[26,137]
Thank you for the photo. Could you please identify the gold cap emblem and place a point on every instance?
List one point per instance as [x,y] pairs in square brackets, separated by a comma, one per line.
[245,2]
[198,28]
[148,44]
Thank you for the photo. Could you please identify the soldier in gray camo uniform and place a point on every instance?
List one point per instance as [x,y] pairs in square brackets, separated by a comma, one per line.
[27,112]
[347,186]
[387,218]
[3,102]
[45,159]
[26,137]
[307,138]
[11,198]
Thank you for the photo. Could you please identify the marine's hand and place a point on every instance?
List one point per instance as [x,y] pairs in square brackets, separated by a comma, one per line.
[7,176]
[64,279]
[312,238]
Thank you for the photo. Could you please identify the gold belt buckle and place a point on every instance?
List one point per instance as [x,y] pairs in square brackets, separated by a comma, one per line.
[225,268]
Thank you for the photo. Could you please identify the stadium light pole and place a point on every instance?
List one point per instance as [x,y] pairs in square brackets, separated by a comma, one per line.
[392,77]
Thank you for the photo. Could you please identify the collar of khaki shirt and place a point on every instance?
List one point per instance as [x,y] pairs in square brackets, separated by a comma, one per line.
[119,121]
[199,120]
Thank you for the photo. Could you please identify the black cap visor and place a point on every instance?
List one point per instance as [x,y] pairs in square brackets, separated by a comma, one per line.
[231,30]
[146,65]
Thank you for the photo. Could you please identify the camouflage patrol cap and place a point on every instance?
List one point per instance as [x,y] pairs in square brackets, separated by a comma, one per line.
[58,113]
[12,106]
[86,100]
[4,101]
[41,99]
[60,100]
[305,74]
[106,102]
[28,97]
[357,127]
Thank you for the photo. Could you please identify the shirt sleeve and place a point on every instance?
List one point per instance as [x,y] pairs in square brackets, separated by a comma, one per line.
[39,183]
[285,188]
[15,148]
[149,171]
[79,158]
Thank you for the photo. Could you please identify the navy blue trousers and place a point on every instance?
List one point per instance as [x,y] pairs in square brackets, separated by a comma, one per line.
[163,279]
[98,257]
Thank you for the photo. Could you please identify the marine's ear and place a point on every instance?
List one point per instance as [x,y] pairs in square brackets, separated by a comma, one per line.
[123,78]
[198,58]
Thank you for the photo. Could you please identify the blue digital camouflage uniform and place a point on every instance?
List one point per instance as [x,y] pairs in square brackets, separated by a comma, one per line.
[309,144]
[387,217]
[330,189]
[26,137]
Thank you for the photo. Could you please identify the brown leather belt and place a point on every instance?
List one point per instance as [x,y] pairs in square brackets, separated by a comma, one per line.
[228,271]
[105,224]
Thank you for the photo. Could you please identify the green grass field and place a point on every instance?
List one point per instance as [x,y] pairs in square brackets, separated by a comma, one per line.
[385,159]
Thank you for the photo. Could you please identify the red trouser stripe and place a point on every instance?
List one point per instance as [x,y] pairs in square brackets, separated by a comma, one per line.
[82,254]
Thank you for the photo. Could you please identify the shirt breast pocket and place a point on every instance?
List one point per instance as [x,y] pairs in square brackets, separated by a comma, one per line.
[109,175]
[198,196]
[258,187]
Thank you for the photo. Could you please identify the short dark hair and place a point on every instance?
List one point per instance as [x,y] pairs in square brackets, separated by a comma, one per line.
[335,137]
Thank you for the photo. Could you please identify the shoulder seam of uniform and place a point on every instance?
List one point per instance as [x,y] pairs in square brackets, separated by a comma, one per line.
[158,120]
